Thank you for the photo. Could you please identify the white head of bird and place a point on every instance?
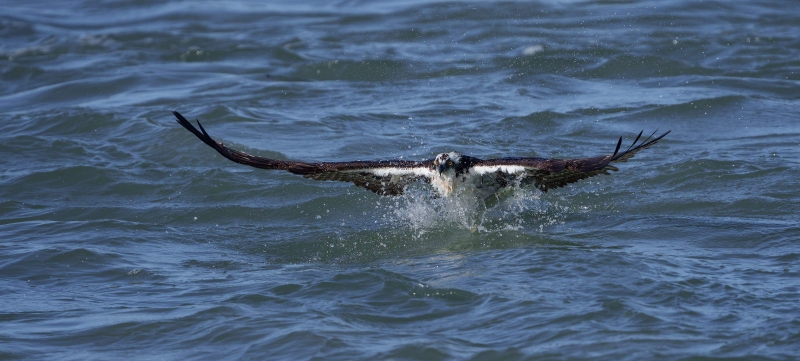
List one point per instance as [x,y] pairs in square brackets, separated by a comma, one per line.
[447,166]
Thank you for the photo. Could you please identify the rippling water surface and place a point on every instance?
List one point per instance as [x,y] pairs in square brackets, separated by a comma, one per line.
[125,236]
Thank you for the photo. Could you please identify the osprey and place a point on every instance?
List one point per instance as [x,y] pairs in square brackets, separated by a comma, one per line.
[449,173]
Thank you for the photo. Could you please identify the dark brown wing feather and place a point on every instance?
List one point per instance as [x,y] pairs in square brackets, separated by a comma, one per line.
[554,173]
[391,184]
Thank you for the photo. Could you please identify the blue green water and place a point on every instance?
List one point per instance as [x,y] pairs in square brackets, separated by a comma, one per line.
[123,236]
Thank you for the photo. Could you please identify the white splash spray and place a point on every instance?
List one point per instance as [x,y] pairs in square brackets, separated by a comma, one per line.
[419,210]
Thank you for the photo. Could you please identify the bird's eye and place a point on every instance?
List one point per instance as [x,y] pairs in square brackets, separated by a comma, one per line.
[449,163]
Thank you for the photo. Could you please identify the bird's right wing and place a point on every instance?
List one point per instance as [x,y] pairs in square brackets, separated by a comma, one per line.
[388,177]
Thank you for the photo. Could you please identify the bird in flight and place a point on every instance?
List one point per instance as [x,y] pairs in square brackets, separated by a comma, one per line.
[450,174]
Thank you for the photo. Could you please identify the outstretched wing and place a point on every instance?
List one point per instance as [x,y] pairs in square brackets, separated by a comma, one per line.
[388,177]
[553,173]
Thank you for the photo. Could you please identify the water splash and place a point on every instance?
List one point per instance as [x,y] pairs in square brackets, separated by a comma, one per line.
[421,212]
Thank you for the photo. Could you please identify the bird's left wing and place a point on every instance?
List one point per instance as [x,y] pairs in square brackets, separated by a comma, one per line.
[554,173]
[388,177]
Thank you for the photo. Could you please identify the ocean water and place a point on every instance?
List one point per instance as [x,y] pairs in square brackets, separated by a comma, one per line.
[123,236]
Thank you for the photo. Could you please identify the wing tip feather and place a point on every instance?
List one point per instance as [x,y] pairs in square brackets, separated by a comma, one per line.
[619,144]
[634,148]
